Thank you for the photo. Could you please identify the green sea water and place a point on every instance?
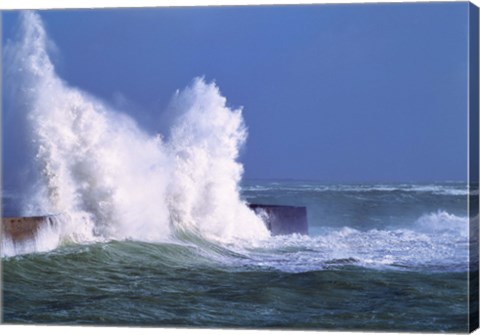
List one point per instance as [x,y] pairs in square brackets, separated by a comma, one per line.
[132,283]
[341,277]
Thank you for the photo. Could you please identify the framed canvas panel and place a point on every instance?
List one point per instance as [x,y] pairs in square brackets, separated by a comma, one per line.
[293,167]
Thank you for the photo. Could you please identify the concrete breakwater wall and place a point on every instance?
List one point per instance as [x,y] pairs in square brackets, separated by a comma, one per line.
[283,220]
[280,220]
[20,229]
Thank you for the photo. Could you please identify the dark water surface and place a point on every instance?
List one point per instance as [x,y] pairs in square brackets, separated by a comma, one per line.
[402,266]
[132,283]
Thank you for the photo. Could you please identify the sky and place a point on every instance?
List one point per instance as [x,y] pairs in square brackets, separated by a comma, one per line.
[335,93]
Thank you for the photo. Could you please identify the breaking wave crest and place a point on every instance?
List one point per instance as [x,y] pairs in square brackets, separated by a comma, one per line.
[108,178]
[437,241]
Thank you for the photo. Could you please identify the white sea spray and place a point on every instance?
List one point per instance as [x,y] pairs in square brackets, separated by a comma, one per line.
[110,179]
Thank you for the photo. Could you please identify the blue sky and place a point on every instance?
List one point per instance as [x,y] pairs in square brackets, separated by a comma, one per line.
[338,93]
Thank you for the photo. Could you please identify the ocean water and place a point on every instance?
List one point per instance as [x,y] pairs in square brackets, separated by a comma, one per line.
[378,257]
[154,229]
